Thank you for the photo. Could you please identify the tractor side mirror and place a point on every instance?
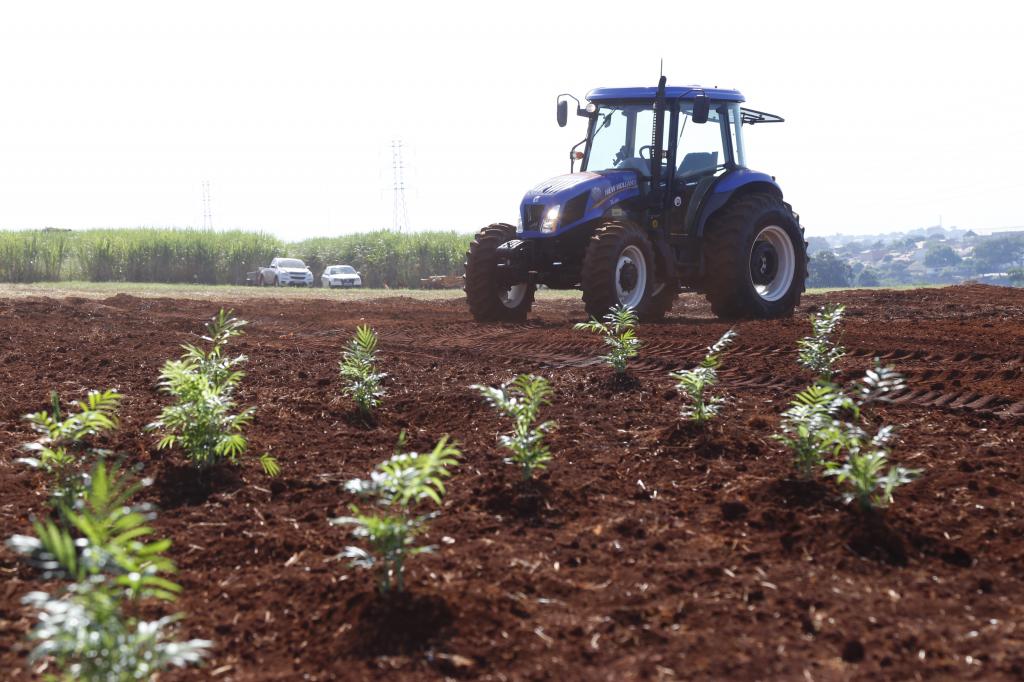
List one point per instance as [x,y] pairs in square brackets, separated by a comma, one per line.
[701,108]
[563,113]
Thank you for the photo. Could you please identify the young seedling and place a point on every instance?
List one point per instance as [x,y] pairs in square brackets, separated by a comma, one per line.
[820,425]
[213,363]
[62,448]
[202,419]
[618,330]
[359,375]
[520,400]
[695,383]
[878,383]
[89,629]
[811,427]
[396,487]
[864,472]
[818,352]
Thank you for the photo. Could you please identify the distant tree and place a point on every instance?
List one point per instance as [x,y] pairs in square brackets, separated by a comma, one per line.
[816,244]
[869,278]
[1017,277]
[991,254]
[828,270]
[941,256]
[897,271]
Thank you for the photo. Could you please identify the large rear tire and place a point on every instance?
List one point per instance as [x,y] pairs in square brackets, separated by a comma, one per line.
[756,259]
[488,300]
[619,268]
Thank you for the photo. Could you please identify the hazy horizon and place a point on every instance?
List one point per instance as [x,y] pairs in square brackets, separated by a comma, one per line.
[980,231]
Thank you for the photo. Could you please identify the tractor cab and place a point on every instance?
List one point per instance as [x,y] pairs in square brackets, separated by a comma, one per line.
[619,137]
[663,201]
[701,140]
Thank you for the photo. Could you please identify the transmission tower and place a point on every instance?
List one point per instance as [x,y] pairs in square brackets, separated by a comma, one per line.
[207,214]
[400,219]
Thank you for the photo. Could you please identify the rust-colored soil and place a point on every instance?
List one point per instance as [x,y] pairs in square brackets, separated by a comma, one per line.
[647,551]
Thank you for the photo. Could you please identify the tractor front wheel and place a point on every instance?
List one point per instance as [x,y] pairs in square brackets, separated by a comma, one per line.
[619,269]
[756,259]
[489,300]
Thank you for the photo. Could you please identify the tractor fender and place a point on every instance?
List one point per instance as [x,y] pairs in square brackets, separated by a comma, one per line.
[738,182]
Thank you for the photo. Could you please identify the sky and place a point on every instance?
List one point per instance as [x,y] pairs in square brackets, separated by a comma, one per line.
[113,114]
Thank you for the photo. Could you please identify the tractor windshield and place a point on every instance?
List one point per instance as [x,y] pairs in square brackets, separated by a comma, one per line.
[620,138]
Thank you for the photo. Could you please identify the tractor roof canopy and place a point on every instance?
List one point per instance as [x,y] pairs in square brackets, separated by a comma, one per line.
[674,92]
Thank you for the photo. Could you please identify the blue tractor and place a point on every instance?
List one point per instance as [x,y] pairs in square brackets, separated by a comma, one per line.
[663,201]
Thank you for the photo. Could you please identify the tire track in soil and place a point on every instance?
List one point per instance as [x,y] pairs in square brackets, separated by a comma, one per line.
[538,343]
[660,357]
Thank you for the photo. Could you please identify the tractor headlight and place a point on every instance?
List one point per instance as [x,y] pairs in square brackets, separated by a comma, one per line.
[550,223]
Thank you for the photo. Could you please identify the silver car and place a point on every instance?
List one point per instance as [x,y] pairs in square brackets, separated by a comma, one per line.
[341,276]
[286,272]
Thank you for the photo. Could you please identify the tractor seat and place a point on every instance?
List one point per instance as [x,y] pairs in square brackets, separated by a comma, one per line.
[695,162]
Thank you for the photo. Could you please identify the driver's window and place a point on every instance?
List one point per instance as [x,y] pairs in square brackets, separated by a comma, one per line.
[699,150]
[644,136]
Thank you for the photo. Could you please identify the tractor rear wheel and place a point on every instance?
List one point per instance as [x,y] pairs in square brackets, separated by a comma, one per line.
[488,300]
[619,269]
[756,259]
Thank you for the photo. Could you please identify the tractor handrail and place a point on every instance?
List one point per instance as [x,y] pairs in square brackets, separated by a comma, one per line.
[752,116]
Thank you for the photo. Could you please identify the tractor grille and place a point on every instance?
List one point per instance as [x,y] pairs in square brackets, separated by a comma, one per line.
[532,215]
[574,209]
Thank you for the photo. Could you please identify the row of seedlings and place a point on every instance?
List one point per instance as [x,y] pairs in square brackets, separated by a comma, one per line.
[98,543]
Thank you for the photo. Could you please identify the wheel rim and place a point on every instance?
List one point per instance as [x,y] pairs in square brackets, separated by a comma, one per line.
[772,263]
[513,296]
[631,277]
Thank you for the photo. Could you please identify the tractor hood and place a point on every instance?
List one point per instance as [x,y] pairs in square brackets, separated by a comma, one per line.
[578,198]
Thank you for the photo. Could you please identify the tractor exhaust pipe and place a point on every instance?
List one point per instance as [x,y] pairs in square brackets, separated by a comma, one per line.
[657,195]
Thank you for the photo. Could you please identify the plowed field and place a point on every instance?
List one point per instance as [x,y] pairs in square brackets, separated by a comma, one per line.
[647,550]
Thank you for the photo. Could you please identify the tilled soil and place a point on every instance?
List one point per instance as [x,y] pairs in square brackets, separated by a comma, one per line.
[648,549]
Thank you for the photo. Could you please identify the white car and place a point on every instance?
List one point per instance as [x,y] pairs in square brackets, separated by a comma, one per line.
[286,272]
[341,276]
